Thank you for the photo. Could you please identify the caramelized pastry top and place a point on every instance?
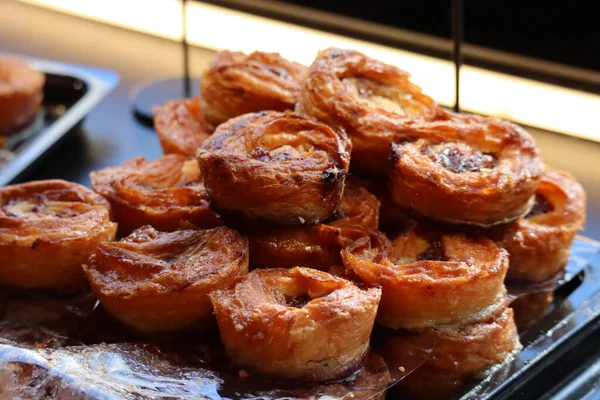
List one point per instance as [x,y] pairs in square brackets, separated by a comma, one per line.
[290,170]
[159,193]
[453,279]
[52,210]
[374,102]
[467,170]
[149,262]
[237,84]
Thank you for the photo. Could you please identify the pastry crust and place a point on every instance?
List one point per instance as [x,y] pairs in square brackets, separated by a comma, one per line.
[374,102]
[158,283]
[392,219]
[47,230]
[467,170]
[430,279]
[21,94]
[459,354]
[237,84]
[277,167]
[539,243]
[313,326]
[181,127]
[160,193]
[315,246]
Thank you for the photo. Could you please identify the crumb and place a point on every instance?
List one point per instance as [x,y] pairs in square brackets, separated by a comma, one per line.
[402,369]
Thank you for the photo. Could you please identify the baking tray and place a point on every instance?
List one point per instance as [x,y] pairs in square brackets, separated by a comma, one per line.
[121,368]
[70,92]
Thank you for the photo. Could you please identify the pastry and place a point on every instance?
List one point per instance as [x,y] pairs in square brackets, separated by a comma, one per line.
[157,283]
[467,170]
[47,230]
[237,84]
[299,323]
[373,102]
[181,127]
[277,167]
[539,243]
[315,246]
[160,193]
[429,278]
[21,94]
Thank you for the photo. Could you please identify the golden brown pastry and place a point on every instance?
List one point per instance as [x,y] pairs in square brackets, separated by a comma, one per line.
[158,282]
[298,323]
[539,243]
[160,193]
[47,230]
[458,355]
[316,246]
[529,307]
[21,94]
[237,84]
[181,127]
[374,102]
[392,219]
[430,279]
[277,167]
[468,170]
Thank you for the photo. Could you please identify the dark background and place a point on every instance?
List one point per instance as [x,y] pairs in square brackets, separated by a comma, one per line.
[562,32]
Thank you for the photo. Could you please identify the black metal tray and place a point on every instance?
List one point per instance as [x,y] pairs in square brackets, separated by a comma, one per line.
[70,92]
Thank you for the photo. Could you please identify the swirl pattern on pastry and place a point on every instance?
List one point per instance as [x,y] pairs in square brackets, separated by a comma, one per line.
[21,94]
[47,230]
[430,279]
[316,246]
[237,84]
[539,243]
[159,193]
[468,170]
[181,127]
[374,102]
[158,283]
[278,167]
[314,326]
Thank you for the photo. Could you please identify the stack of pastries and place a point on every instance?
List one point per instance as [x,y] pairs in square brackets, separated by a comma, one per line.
[297,209]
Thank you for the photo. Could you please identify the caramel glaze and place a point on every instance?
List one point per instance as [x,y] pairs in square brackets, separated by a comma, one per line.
[539,243]
[313,326]
[467,170]
[157,283]
[316,246]
[181,127]
[160,193]
[21,94]
[47,230]
[237,84]
[430,279]
[277,167]
[373,102]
